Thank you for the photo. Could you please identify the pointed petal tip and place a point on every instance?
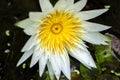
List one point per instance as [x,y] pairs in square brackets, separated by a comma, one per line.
[25,23]
[16,24]
[22,50]
[108,27]
[106,9]
[69,78]
[91,66]
[94,66]
[17,65]
[57,77]
[31,65]
[94,27]
[50,71]
[103,10]
[40,74]
[90,14]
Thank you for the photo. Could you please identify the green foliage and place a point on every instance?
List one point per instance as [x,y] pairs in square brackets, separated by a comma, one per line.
[86,73]
[24,66]
[103,53]
[107,65]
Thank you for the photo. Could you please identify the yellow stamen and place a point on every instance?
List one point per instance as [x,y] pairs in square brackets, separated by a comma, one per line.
[59,30]
[56,28]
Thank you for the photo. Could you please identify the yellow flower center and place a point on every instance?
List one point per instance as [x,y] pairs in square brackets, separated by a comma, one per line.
[56,28]
[59,30]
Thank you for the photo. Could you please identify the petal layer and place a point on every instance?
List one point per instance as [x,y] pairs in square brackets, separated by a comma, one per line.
[50,70]
[42,63]
[65,64]
[83,56]
[86,15]
[94,27]
[35,16]
[78,6]
[95,38]
[46,5]
[32,29]
[70,2]
[29,44]
[26,23]
[60,5]
[36,56]
[55,65]
[25,56]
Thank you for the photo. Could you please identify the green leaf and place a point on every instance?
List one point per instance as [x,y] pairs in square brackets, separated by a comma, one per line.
[103,53]
[86,73]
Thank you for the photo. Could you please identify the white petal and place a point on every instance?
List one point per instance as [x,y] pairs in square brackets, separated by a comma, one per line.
[86,15]
[61,4]
[42,63]
[32,29]
[26,23]
[62,60]
[83,56]
[81,46]
[50,70]
[36,55]
[29,44]
[65,66]
[25,56]
[55,66]
[36,16]
[95,38]
[58,59]
[70,2]
[78,5]
[94,27]
[46,5]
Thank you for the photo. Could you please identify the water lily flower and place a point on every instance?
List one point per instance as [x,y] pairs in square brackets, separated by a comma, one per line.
[61,31]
